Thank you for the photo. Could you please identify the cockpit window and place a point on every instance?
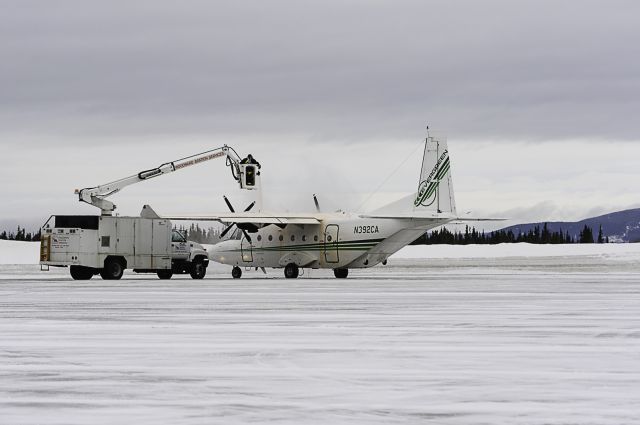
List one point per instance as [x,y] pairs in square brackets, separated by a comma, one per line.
[177,237]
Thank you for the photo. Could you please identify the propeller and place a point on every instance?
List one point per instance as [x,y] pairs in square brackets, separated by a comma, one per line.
[315,201]
[242,226]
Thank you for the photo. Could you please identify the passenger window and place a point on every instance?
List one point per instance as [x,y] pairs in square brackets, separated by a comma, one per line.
[259,238]
[329,238]
[304,238]
[315,238]
[270,238]
[281,238]
[293,238]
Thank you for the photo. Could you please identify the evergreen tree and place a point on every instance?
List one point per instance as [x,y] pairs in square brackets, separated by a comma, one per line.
[600,238]
[545,237]
[586,235]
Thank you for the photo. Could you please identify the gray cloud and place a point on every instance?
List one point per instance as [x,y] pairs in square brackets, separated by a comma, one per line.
[331,70]
[91,91]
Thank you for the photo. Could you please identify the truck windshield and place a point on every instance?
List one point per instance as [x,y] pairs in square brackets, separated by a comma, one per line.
[177,237]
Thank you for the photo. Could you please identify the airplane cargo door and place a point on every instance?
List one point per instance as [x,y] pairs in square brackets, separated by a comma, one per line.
[331,243]
[247,251]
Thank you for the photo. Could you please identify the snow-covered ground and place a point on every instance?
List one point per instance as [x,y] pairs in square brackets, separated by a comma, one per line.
[17,252]
[509,340]
[518,250]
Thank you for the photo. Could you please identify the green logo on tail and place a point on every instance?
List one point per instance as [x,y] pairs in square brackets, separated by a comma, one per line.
[427,188]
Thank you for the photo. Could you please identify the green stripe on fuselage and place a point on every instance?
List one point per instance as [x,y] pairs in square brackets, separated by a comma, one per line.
[362,245]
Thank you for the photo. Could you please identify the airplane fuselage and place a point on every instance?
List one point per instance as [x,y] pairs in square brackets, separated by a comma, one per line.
[339,241]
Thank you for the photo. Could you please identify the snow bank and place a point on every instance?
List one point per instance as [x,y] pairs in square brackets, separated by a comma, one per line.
[518,250]
[17,252]
[14,252]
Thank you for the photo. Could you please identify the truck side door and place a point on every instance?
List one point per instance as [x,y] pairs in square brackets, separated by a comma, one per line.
[179,246]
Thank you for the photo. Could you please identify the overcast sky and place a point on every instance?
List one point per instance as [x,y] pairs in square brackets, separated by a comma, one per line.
[539,101]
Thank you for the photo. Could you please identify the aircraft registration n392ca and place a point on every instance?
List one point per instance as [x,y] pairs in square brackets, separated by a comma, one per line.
[339,240]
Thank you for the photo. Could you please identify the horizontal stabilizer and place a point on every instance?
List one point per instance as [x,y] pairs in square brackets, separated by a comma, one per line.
[460,220]
[414,215]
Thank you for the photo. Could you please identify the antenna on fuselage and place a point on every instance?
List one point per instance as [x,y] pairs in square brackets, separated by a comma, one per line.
[315,201]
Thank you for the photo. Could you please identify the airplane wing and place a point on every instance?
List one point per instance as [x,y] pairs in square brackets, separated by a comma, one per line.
[253,218]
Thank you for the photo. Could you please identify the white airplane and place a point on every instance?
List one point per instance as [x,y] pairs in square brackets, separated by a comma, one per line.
[340,240]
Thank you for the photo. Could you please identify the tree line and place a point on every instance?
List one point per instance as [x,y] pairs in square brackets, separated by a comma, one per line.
[193,233]
[536,235]
[198,234]
[20,235]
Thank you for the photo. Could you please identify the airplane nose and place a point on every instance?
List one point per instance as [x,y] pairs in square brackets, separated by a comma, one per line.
[213,250]
[217,252]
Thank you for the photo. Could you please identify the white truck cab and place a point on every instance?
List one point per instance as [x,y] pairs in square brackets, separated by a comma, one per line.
[186,257]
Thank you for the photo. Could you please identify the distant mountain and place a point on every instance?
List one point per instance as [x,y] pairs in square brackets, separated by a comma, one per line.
[621,226]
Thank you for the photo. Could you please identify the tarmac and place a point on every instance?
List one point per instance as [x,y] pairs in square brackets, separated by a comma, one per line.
[459,341]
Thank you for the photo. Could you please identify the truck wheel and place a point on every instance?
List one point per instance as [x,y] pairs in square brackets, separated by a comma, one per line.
[165,274]
[81,273]
[291,271]
[198,270]
[341,273]
[236,272]
[113,270]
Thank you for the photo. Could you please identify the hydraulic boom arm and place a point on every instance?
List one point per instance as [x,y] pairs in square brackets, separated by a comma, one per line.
[244,171]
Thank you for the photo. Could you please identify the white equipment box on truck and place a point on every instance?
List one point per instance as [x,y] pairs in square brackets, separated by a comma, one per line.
[108,245]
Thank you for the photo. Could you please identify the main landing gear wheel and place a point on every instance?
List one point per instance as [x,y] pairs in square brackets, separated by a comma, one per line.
[165,274]
[81,273]
[341,273]
[291,271]
[236,272]
[198,270]
[113,270]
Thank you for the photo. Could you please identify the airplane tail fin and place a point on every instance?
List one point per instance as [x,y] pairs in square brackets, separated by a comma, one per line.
[435,187]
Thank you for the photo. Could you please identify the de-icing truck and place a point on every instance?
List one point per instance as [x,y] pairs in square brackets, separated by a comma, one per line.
[107,245]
